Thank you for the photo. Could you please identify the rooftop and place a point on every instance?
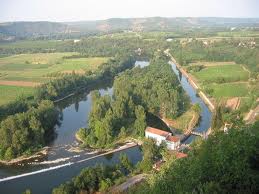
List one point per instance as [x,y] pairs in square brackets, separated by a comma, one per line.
[173,138]
[157,131]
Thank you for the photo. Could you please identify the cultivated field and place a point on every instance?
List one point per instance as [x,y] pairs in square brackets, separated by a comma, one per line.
[223,79]
[229,90]
[41,66]
[10,93]
[29,70]
[224,73]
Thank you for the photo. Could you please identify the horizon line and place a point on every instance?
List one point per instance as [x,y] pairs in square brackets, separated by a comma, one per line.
[95,20]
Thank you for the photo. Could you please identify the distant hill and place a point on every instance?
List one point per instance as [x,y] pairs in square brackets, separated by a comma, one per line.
[14,30]
[32,29]
[160,23]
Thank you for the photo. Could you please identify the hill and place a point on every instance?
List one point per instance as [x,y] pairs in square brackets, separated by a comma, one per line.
[20,30]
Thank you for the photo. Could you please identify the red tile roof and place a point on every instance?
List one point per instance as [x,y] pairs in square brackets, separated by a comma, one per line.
[157,131]
[173,138]
[181,155]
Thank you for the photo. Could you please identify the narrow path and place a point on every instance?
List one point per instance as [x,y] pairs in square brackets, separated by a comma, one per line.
[245,69]
[130,182]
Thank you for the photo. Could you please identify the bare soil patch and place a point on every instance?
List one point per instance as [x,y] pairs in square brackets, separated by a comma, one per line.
[233,103]
[19,83]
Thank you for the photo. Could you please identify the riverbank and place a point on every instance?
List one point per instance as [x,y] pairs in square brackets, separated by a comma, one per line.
[192,82]
[43,152]
[117,145]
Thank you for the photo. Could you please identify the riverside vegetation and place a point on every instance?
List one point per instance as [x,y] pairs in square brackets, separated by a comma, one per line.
[27,129]
[235,154]
[152,89]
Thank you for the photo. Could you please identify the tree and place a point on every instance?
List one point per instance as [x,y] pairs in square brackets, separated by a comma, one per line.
[123,133]
[217,120]
[150,154]
[105,184]
[140,122]
[125,162]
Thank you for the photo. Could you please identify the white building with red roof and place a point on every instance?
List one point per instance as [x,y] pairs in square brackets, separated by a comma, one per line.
[160,136]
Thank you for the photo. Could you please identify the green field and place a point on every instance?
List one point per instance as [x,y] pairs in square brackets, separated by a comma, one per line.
[181,123]
[31,44]
[39,67]
[223,79]
[228,73]
[10,93]
[229,90]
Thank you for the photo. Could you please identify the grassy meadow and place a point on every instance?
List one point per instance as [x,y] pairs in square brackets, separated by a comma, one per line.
[229,73]
[17,71]
[223,79]
[38,67]
[229,90]
[11,93]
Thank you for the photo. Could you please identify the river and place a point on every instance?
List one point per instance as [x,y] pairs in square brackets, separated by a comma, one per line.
[64,161]
[206,114]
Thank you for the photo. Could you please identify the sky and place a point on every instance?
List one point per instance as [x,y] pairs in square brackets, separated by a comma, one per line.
[79,10]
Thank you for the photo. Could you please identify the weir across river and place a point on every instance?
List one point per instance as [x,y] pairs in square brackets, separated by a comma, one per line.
[75,111]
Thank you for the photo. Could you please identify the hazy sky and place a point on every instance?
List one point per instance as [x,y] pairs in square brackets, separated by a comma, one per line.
[73,10]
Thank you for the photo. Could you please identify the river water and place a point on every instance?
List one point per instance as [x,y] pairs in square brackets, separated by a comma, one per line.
[64,161]
[206,115]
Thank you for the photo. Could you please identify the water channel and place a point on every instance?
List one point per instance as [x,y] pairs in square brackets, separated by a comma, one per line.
[64,161]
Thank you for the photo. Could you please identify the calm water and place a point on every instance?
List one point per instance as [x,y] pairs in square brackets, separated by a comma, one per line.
[63,161]
[206,115]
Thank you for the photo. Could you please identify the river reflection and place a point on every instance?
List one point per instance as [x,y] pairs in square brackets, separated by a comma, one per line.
[75,112]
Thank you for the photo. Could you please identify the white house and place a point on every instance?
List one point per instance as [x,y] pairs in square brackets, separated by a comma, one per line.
[159,136]
[172,142]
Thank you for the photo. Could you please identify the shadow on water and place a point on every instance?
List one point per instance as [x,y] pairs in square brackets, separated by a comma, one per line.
[81,95]
[156,122]
[41,179]
[206,114]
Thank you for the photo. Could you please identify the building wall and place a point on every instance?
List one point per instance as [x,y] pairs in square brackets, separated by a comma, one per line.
[157,138]
[172,145]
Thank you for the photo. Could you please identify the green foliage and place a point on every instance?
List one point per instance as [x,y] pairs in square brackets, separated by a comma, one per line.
[94,179]
[10,94]
[222,74]
[125,163]
[196,108]
[63,86]
[137,91]
[23,132]
[140,122]
[195,68]
[224,163]
[28,191]
[217,119]
[151,153]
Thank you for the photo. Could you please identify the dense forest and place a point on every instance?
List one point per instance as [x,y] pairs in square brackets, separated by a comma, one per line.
[102,46]
[225,163]
[23,133]
[154,89]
